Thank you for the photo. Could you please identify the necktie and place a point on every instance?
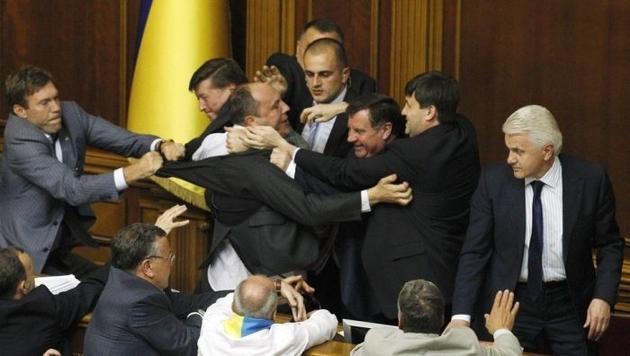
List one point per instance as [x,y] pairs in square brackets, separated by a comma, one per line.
[534,262]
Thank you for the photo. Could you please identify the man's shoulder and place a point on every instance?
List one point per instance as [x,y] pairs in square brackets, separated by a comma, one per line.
[579,167]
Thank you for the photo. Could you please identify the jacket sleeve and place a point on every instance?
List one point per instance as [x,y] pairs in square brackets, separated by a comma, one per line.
[476,251]
[153,320]
[608,243]
[255,177]
[72,305]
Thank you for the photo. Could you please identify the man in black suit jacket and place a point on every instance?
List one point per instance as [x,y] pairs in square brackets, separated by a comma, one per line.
[440,160]
[545,256]
[213,83]
[33,319]
[288,71]
[273,226]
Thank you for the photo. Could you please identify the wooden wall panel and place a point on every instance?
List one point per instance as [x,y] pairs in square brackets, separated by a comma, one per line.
[571,57]
[80,42]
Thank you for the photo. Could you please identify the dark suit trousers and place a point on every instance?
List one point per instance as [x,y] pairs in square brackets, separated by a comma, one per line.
[550,324]
[62,261]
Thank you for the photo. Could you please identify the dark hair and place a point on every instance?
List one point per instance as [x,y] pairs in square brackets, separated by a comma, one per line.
[324,26]
[134,243]
[222,71]
[437,89]
[421,307]
[322,44]
[241,104]
[12,272]
[22,83]
[381,109]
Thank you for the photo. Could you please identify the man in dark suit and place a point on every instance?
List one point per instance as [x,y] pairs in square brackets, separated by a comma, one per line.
[264,220]
[45,197]
[33,319]
[440,160]
[535,222]
[213,83]
[136,313]
[288,71]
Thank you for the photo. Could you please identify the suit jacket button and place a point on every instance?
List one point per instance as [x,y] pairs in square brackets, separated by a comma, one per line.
[46,249]
[55,223]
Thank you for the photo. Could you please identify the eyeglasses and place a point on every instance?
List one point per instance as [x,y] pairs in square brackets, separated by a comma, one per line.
[170,258]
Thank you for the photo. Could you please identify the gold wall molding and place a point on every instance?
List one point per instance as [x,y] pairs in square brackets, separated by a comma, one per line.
[416,41]
[270,28]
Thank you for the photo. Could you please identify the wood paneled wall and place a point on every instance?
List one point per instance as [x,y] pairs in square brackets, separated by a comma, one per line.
[569,56]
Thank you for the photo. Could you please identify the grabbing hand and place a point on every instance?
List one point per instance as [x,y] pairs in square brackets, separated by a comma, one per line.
[503,312]
[386,191]
[280,158]
[322,112]
[272,76]
[166,221]
[146,166]
[172,151]
[263,138]
[235,142]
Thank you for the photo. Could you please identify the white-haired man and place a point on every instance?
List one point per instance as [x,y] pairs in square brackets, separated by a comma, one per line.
[534,224]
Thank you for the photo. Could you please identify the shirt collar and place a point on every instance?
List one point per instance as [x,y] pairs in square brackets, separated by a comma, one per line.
[552,177]
[339,97]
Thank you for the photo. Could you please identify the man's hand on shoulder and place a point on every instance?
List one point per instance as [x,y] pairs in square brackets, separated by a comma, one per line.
[386,191]
[503,312]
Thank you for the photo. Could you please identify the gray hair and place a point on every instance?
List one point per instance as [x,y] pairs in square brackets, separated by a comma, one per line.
[255,299]
[537,122]
[421,307]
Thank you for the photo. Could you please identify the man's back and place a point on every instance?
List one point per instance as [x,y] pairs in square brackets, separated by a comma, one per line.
[278,339]
[41,320]
[455,342]
[133,317]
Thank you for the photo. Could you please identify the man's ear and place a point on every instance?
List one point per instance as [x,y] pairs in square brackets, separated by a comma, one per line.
[345,75]
[20,111]
[548,152]
[146,269]
[22,289]
[386,131]
[432,114]
[249,120]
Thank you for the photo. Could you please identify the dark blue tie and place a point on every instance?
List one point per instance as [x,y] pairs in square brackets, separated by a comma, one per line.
[534,265]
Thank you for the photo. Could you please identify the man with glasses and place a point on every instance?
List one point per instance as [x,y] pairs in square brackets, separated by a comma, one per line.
[137,314]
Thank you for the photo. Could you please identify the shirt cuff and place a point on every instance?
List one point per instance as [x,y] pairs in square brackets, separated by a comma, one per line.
[500,332]
[155,143]
[291,169]
[119,180]
[464,317]
[365,202]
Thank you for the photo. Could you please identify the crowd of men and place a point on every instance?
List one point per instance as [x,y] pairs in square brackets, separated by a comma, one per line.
[310,173]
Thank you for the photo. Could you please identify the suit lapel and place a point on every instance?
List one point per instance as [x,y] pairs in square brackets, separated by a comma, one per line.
[571,197]
[515,197]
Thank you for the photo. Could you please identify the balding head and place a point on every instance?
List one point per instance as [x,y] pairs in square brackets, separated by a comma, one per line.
[255,297]
[257,104]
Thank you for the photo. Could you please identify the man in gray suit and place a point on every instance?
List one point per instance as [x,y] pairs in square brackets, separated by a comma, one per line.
[44,198]
[420,318]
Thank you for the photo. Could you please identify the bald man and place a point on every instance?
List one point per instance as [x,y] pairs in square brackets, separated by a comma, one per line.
[242,324]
